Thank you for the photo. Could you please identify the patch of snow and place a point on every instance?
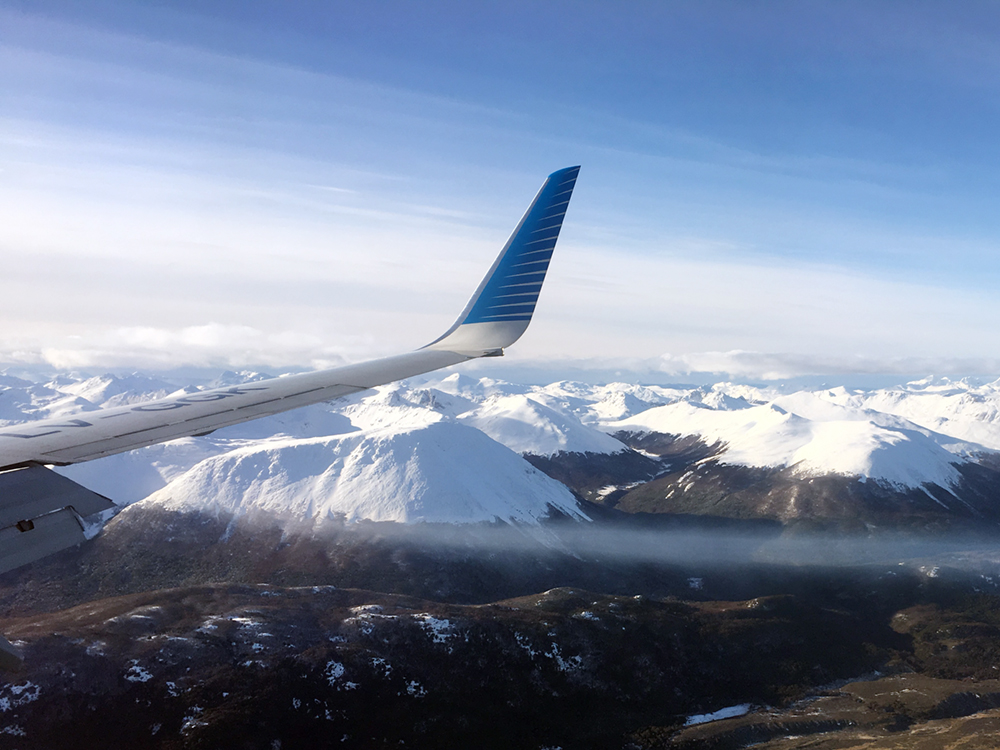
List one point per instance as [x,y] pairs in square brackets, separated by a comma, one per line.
[415,689]
[191,721]
[564,664]
[334,673]
[16,695]
[135,673]
[525,644]
[723,713]
[439,630]
[209,625]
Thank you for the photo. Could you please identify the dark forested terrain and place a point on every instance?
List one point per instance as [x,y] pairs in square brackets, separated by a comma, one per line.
[179,631]
[868,617]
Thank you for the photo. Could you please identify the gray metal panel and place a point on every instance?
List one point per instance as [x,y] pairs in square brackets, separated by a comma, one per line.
[194,425]
[51,533]
[35,491]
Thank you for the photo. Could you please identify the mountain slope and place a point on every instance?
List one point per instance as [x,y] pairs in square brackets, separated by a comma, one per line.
[526,425]
[844,443]
[438,471]
[926,445]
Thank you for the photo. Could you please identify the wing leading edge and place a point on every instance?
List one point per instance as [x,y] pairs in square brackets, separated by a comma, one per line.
[41,512]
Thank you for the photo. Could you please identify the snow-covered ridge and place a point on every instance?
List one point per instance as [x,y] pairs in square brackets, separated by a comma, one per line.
[851,443]
[438,471]
[528,425]
[438,448]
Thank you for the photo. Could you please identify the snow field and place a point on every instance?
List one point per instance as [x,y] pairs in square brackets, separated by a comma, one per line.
[447,449]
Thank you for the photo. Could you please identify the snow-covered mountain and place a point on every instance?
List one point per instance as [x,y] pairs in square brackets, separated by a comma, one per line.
[436,471]
[113,390]
[526,424]
[814,437]
[450,448]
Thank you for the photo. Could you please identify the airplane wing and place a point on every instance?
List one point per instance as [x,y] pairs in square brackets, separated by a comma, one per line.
[41,511]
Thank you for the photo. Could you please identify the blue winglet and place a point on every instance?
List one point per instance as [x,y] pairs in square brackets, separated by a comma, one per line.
[501,308]
[512,286]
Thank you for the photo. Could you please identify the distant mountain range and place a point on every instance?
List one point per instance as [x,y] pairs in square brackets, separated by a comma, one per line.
[457,449]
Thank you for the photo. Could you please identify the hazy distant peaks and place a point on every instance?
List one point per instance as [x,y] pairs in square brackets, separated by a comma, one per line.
[442,448]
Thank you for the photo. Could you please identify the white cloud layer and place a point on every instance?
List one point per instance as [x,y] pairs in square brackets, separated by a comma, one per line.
[211,345]
[763,366]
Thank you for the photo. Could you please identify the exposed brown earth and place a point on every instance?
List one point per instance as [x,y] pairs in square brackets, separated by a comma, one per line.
[900,711]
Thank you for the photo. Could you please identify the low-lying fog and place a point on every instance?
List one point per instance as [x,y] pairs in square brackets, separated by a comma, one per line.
[687,542]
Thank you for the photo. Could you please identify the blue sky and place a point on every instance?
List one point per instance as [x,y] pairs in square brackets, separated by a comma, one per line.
[769,189]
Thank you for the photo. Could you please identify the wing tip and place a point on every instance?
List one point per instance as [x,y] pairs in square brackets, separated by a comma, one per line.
[503,305]
[565,172]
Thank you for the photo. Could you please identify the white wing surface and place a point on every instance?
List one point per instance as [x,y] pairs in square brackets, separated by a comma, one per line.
[40,511]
